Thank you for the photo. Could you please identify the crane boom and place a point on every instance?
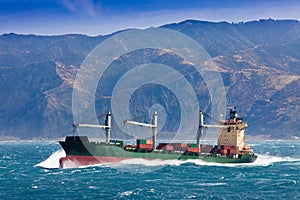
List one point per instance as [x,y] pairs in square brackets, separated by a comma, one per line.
[90,125]
[107,126]
[202,125]
[216,126]
[139,124]
[153,125]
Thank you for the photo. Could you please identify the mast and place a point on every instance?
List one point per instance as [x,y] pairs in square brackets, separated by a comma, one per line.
[154,129]
[200,128]
[108,127]
[153,125]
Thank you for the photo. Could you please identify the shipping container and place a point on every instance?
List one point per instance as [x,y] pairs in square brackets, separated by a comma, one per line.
[149,142]
[144,146]
[193,149]
[161,145]
[223,151]
[175,146]
[233,151]
[168,148]
[140,141]
[117,142]
[184,145]
[193,145]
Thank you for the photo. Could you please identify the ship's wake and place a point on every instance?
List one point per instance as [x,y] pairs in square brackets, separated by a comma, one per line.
[266,160]
[262,160]
[135,164]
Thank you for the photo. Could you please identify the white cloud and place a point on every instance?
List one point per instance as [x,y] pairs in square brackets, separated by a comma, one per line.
[82,7]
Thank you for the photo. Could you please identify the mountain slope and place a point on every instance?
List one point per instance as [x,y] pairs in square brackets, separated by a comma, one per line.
[259,62]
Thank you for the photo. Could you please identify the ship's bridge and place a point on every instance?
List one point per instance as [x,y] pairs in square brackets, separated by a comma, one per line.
[232,134]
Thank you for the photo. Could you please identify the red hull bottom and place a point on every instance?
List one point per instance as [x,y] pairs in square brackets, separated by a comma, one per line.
[72,161]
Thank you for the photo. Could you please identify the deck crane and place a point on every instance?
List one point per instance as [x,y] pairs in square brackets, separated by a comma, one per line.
[202,126]
[107,126]
[153,125]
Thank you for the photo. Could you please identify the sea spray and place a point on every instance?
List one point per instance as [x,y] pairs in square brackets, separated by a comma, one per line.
[53,161]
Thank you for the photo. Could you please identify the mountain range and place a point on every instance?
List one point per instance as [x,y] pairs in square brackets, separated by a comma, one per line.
[259,62]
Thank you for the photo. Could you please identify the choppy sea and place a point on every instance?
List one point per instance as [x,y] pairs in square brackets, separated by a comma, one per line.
[29,170]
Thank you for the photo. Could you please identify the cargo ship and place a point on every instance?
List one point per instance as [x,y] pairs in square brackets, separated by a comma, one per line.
[230,148]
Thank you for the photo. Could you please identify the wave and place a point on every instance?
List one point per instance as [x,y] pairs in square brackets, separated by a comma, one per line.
[53,161]
[211,184]
[266,159]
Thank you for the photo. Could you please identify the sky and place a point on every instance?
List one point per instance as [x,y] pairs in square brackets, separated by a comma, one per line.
[100,17]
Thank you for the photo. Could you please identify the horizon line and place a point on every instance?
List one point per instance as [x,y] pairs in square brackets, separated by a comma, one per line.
[150,26]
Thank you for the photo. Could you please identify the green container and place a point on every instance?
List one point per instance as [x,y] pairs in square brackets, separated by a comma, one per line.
[139,141]
[193,145]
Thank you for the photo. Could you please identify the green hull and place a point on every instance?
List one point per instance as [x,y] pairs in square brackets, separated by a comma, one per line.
[77,149]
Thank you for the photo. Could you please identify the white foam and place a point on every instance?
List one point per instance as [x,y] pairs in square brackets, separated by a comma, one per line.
[211,184]
[266,159]
[129,192]
[151,163]
[53,161]
[262,160]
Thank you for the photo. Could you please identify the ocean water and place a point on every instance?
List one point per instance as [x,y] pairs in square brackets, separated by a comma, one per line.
[274,175]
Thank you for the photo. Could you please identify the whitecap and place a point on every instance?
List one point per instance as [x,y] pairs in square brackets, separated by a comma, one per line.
[126,193]
[211,184]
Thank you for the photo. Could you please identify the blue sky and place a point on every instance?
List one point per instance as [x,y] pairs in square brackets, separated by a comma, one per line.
[97,17]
